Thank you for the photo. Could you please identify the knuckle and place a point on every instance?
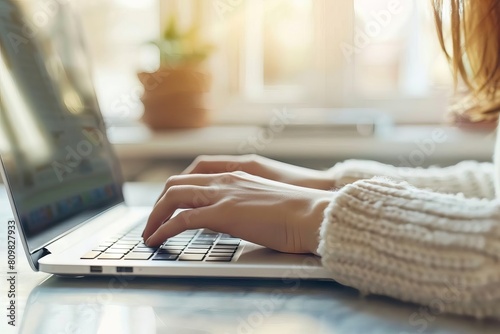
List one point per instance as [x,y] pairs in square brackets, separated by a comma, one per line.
[183,218]
[186,219]
[230,177]
[251,157]
[171,181]
[198,163]
[223,178]
[172,190]
[253,165]
[234,164]
[201,159]
[228,202]
[252,162]
[238,174]
[214,191]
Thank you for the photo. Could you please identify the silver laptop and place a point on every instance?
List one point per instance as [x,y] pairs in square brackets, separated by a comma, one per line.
[63,178]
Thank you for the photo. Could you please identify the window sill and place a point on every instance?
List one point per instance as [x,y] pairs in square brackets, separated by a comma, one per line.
[410,145]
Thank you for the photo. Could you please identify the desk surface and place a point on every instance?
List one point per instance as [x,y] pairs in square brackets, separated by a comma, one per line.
[49,304]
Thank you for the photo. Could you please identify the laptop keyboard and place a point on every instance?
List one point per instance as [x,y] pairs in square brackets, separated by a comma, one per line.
[193,245]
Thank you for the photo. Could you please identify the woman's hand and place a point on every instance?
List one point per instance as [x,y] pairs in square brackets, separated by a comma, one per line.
[273,214]
[263,167]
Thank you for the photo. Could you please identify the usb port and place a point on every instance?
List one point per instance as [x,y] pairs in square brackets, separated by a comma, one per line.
[124,269]
[96,269]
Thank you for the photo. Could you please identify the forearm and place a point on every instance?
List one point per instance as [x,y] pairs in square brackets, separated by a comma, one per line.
[392,239]
[473,179]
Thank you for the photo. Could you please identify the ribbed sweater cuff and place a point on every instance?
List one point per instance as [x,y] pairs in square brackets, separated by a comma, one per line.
[473,179]
[390,238]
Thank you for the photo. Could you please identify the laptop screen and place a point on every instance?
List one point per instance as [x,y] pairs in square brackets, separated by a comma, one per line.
[57,161]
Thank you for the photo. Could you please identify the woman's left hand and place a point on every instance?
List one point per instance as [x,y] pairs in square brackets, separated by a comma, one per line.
[273,214]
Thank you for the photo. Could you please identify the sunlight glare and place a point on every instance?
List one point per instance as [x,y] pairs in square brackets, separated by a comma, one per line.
[28,132]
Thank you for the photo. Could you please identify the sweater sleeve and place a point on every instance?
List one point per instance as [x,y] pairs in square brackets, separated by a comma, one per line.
[472,179]
[438,250]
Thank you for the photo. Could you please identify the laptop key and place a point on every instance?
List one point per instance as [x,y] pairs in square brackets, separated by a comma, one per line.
[204,236]
[206,233]
[191,257]
[222,251]
[173,247]
[137,256]
[219,258]
[143,245]
[110,256]
[165,257]
[99,248]
[195,251]
[202,242]
[116,251]
[126,242]
[222,255]
[189,233]
[90,255]
[175,243]
[200,246]
[232,242]
[233,248]
[177,238]
[122,246]
[170,251]
[145,250]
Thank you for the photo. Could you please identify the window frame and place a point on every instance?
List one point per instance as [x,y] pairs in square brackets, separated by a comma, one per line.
[333,74]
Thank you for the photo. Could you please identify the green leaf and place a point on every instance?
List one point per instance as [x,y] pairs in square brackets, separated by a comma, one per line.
[171,32]
[177,48]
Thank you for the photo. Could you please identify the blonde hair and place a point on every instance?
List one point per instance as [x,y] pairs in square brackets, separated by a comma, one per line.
[475,51]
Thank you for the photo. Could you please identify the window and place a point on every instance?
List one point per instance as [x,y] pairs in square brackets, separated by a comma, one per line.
[116,31]
[398,60]
[289,53]
[380,54]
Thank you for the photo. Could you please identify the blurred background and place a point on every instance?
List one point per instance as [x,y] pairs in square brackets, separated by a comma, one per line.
[282,51]
[310,82]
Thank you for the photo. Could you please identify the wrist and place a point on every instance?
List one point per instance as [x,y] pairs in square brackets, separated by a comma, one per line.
[319,180]
[312,227]
[325,181]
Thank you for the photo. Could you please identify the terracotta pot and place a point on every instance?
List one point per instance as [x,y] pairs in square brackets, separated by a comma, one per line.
[176,98]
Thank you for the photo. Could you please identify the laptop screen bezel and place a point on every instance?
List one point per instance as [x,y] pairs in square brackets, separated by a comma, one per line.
[34,254]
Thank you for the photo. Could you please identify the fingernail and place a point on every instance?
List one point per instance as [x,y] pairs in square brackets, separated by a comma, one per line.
[147,241]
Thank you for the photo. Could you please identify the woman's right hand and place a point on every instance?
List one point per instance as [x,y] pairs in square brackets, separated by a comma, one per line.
[263,167]
[279,216]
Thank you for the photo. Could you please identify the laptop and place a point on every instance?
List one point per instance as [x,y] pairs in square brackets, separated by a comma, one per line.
[63,178]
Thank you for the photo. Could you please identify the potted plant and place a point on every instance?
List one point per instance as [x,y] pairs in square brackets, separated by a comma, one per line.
[176,95]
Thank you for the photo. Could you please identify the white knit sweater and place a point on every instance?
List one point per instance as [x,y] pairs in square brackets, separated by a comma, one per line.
[429,236]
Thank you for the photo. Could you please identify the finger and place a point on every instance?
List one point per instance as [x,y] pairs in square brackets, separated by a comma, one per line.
[177,197]
[215,164]
[206,167]
[186,220]
[178,180]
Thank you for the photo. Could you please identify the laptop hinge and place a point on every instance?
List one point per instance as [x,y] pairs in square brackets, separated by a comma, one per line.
[38,254]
